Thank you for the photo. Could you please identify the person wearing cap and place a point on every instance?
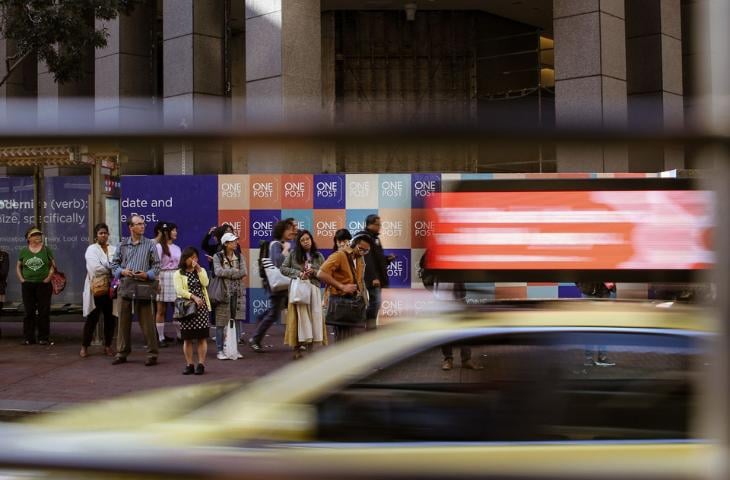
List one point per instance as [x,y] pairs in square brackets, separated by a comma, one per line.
[229,265]
[34,269]
[169,254]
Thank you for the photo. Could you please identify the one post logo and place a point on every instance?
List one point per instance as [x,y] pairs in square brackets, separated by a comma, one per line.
[392,188]
[359,189]
[422,229]
[399,270]
[295,190]
[424,186]
[231,190]
[329,191]
[263,190]
[392,228]
[262,225]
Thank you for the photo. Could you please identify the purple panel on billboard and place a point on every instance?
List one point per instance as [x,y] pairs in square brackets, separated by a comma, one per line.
[16,216]
[66,227]
[189,201]
[262,225]
[568,291]
[399,270]
[329,191]
[257,303]
[422,186]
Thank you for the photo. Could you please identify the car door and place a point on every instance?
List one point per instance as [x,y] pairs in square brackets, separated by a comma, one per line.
[535,407]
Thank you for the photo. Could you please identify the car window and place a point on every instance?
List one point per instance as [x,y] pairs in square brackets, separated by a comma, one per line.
[527,387]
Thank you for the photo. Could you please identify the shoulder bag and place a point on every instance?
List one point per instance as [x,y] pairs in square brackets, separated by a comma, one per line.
[300,292]
[100,285]
[131,288]
[216,287]
[347,310]
[278,282]
[184,308]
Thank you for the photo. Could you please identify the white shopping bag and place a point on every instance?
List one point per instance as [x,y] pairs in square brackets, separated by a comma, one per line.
[300,292]
[230,346]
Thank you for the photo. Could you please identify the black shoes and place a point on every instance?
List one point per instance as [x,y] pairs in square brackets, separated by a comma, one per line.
[189,370]
[200,369]
[162,344]
[255,346]
[119,360]
[150,362]
[28,342]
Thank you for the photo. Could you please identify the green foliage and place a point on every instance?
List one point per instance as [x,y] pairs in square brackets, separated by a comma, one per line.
[60,32]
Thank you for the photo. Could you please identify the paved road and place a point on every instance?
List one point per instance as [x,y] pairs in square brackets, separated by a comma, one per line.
[38,378]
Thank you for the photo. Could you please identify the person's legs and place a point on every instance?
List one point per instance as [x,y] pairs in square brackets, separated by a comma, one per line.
[44,293]
[160,322]
[188,351]
[202,350]
[146,323]
[90,324]
[448,353]
[107,305]
[219,337]
[124,329]
[272,314]
[371,314]
[30,306]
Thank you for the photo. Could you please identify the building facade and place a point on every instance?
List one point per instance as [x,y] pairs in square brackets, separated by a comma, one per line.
[608,63]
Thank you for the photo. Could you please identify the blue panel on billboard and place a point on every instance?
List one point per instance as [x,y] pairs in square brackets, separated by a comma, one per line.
[16,216]
[303,218]
[262,225]
[329,191]
[189,201]
[355,219]
[66,227]
[394,191]
[568,291]
[422,186]
[399,270]
[258,302]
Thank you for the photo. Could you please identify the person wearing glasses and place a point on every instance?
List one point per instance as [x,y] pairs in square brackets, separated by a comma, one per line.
[343,274]
[376,270]
[136,258]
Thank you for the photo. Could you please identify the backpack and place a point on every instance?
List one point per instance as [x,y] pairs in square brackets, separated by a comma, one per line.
[428,277]
[263,253]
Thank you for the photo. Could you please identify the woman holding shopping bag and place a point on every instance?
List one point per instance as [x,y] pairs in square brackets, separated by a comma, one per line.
[229,265]
[304,323]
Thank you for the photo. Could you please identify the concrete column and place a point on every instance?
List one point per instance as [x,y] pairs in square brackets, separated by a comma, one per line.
[590,79]
[67,103]
[192,80]
[123,72]
[654,70]
[283,76]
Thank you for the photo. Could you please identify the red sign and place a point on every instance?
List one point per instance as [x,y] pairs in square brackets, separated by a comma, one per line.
[572,230]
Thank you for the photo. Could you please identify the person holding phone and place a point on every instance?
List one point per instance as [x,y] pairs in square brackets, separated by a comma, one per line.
[136,258]
[191,282]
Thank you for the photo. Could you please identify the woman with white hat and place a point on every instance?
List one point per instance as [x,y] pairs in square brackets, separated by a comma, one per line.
[229,265]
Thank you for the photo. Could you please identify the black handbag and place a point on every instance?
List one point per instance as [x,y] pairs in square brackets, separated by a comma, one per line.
[139,290]
[184,308]
[347,310]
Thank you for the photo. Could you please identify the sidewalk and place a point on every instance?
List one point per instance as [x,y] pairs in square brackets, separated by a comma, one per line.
[41,378]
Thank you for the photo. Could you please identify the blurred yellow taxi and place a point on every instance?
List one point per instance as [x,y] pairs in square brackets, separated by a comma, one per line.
[570,389]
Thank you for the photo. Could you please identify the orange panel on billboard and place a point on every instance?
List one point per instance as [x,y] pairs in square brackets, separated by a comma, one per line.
[297,192]
[265,192]
[325,224]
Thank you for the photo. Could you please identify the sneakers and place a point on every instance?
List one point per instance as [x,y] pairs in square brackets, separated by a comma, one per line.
[189,370]
[448,364]
[603,361]
[470,365]
[255,346]
[221,356]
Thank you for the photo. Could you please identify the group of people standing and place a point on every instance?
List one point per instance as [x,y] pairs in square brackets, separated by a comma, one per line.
[145,277]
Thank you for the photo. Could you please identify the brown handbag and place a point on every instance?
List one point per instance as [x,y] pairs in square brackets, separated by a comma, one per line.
[100,285]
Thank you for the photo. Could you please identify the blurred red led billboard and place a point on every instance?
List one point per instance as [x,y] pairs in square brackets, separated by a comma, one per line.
[626,230]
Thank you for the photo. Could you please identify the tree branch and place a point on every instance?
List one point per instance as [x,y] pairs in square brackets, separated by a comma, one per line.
[11,68]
